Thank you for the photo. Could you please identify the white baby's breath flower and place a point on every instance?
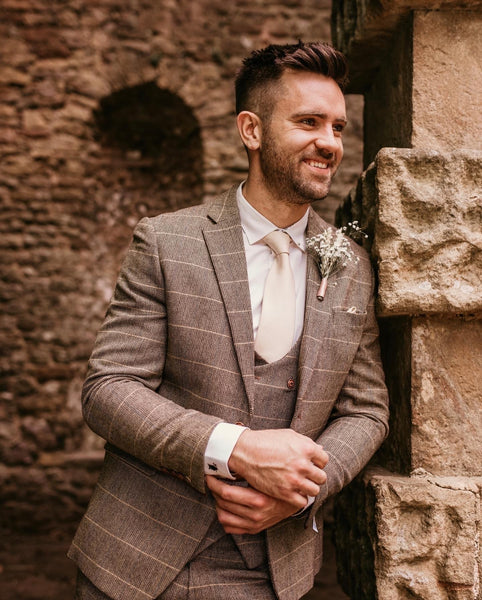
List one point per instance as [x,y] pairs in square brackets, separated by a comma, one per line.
[331,251]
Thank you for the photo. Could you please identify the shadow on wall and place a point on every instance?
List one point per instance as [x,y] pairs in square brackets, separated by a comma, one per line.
[155,125]
[152,156]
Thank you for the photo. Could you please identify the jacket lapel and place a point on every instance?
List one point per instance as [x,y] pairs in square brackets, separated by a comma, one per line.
[316,326]
[224,241]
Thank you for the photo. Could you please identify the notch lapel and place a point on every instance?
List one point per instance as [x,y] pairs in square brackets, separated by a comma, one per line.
[224,240]
[317,324]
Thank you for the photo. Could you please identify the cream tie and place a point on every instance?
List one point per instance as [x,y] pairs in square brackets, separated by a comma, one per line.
[277,322]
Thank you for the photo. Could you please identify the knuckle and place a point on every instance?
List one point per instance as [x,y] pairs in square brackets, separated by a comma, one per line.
[221,517]
[261,502]
[299,503]
[227,494]
[292,480]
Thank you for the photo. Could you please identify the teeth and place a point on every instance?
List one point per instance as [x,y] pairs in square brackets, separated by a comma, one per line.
[319,165]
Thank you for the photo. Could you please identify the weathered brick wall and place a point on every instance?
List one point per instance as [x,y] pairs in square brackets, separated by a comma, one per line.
[73,184]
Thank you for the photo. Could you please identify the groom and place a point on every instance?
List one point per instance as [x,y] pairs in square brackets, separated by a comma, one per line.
[225,438]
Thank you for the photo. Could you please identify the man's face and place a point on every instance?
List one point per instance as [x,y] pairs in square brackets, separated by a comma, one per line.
[301,144]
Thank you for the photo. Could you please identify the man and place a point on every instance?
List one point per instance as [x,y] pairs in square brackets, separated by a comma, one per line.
[225,437]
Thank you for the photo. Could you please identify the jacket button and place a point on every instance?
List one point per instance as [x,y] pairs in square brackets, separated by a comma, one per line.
[290,384]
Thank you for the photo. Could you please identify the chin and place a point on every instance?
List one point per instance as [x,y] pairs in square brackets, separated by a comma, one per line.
[313,195]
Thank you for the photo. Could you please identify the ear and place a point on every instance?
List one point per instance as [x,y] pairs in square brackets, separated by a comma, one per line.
[249,127]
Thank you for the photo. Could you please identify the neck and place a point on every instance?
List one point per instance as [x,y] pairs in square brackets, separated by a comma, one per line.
[282,214]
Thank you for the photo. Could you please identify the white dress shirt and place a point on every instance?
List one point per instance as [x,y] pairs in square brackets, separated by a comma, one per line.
[259,258]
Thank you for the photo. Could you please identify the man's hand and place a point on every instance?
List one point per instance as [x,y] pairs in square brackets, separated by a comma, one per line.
[245,510]
[280,463]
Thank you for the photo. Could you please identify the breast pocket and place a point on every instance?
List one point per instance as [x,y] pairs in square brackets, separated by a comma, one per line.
[346,332]
[349,318]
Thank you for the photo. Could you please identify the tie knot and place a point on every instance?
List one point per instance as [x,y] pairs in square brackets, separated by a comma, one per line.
[278,241]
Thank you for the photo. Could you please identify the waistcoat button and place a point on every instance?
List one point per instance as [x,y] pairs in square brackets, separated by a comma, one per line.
[290,384]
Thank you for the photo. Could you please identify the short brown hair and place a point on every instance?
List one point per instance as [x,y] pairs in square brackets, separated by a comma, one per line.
[266,66]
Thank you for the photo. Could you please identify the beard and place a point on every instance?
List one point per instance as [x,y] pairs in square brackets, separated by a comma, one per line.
[282,175]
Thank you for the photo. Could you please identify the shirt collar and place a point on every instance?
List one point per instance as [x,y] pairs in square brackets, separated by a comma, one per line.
[256,226]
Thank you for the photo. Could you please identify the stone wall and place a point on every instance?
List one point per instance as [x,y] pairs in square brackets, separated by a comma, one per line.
[109,111]
[412,529]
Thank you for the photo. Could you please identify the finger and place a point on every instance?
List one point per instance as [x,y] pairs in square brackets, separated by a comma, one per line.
[316,475]
[320,457]
[251,505]
[237,495]
[213,483]
[308,488]
[235,509]
[234,523]
[298,499]
[224,490]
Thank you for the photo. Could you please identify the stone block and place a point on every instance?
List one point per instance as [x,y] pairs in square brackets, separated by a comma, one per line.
[433,366]
[446,109]
[363,29]
[428,241]
[427,537]
[400,54]
[421,532]
[446,431]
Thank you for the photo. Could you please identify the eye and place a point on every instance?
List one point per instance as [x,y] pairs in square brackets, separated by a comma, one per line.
[338,128]
[308,121]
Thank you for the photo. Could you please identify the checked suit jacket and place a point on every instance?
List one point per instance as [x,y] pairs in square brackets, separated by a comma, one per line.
[175,357]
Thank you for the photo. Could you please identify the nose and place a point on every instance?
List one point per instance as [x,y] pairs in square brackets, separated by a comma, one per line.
[328,143]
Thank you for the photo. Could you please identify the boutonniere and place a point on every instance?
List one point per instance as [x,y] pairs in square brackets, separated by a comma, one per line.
[331,251]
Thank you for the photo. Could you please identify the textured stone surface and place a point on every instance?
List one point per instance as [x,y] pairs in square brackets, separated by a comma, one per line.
[446,432]
[49,495]
[388,116]
[428,241]
[401,538]
[364,29]
[422,210]
[422,534]
[447,79]
[433,367]
[424,85]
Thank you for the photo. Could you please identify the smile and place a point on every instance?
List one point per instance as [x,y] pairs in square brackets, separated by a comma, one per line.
[316,164]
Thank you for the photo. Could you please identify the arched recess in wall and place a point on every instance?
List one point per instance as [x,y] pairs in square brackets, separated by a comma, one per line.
[150,159]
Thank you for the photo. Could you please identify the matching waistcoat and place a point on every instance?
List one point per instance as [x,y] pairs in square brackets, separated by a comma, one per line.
[274,404]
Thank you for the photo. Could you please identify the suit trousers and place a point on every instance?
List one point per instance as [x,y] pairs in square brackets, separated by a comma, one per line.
[217,573]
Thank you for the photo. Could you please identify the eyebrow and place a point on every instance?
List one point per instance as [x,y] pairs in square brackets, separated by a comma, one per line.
[308,113]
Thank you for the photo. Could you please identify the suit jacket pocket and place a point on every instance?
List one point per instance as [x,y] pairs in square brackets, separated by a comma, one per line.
[130,460]
[342,340]
[348,318]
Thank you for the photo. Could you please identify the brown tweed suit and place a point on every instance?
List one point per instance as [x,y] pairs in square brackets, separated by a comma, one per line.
[175,357]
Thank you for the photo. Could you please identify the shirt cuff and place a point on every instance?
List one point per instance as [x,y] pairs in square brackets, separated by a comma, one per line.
[309,502]
[220,446]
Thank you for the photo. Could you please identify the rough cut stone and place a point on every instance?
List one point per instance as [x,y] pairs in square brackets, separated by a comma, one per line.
[446,433]
[446,108]
[419,533]
[428,241]
[419,70]
[363,29]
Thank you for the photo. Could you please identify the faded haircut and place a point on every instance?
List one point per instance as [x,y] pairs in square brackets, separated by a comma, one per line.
[261,72]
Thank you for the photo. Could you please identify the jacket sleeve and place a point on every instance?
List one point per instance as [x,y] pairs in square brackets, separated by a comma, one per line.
[359,420]
[119,398]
